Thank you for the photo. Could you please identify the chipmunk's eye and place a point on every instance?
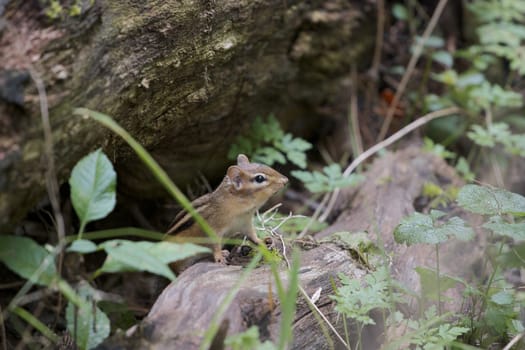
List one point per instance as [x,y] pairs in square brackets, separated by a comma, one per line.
[259,178]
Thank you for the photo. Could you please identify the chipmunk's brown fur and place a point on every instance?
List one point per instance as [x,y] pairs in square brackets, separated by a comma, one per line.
[230,208]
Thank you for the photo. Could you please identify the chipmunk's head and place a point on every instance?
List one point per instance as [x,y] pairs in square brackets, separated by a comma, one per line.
[253,181]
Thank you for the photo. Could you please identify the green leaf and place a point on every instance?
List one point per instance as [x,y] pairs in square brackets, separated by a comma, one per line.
[421,228]
[400,12]
[463,168]
[168,252]
[356,300]
[443,57]
[265,142]
[432,41]
[330,179]
[418,228]
[248,339]
[82,246]
[90,325]
[357,241]
[25,257]
[503,298]
[515,231]
[448,77]
[470,79]
[490,201]
[93,183]
[126,255]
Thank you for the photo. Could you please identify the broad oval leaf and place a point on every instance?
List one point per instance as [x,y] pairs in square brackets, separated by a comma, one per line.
[26,258]
[93,182]
[82,246]
[132,256]
[164,252]
[490,201]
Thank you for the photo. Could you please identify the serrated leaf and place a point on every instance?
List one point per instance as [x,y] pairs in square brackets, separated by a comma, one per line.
[490,201]
[330,179]
[436,214]
[297,158]
[90,325]
[25,257]
[502,298]
[455,227]
[515,231]
[418,228]
[333,171]
[304,176]
[131,256]
[93,182]
[82,246]
[421,228]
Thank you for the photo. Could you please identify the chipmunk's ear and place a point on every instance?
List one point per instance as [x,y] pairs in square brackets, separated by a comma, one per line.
[234,174]
[242,160]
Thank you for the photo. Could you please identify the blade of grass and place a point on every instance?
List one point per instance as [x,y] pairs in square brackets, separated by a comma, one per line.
[36,324]
[153,166]
[288,303]
[119,232]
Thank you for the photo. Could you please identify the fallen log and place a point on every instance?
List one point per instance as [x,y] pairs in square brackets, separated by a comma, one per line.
[183,312]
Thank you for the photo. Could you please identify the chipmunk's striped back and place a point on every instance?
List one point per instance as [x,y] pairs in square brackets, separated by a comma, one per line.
[230,208]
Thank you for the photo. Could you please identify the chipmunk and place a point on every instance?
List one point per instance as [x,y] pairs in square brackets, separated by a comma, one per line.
[230,208]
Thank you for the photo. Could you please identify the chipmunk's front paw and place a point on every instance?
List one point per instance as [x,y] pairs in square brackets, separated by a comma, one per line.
[221,257]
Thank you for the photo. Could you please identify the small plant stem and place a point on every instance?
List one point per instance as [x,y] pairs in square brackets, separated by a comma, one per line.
[489,284]
[312,304]
[359,336]
[418,50]
[119,232]
[81,229]
[347,336]
[36,324]
[353,117]
[51,178]
[315,215]
[2,329]
[438,279]
[383,144]
[53,189]
[378,48]
[153,166]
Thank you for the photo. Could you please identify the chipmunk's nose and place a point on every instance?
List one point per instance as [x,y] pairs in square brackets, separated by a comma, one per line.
[284,180]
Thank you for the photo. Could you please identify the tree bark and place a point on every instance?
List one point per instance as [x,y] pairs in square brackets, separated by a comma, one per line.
[183,77]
